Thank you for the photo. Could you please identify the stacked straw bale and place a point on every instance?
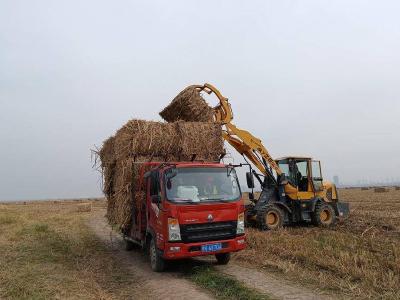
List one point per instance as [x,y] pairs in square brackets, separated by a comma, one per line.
[143,141]
[188,106]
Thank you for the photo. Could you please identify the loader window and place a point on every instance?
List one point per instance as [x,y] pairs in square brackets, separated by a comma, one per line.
[302,175]
[296,171]
[316,175]
[194,185]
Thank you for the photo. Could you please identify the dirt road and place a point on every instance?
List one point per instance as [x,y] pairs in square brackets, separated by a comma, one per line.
[161,285]
[172,285]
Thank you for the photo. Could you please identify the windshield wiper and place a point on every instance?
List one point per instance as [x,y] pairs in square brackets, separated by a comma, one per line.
[185,201]
[218,199]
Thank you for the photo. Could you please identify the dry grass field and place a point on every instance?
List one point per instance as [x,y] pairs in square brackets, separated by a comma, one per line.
[359,258]
[48,252]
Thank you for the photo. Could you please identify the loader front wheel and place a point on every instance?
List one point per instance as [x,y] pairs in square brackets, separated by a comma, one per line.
[324,215]
[270,218]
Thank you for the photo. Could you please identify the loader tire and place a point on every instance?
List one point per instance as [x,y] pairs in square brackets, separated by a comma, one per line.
[270,217]
[324,215]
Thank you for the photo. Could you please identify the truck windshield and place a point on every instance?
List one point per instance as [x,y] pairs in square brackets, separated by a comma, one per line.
[195,185]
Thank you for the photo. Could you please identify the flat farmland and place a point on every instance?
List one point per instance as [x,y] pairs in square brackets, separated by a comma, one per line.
[359,258]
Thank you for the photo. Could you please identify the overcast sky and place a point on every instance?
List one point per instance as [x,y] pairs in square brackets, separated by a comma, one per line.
[318,78]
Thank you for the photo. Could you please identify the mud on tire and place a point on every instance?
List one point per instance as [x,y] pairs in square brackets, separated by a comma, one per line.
[156,261]
[270,217]
[324,215]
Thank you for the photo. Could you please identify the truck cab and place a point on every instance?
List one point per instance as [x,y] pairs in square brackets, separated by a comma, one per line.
[189,209]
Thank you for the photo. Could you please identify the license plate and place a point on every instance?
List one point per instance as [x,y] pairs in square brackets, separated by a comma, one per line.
[211,247]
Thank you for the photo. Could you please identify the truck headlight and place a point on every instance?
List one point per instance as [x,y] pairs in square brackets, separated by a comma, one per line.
[240,224]
[174,233]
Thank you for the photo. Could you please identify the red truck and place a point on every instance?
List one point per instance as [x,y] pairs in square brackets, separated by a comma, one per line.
[190,209]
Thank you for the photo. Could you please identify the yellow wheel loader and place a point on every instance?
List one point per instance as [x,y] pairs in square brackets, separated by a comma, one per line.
[293,189]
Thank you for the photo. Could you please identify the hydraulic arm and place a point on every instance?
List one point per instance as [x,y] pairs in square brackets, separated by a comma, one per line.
[243,141]
[299,197]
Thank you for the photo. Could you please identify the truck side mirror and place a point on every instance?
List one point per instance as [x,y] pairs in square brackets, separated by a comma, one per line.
[250,180]
[171,173]
[156,199]
[283,180]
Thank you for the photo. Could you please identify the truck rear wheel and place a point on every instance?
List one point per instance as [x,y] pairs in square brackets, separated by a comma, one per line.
[270,217]
[223,258]
[324,215]
[156,261]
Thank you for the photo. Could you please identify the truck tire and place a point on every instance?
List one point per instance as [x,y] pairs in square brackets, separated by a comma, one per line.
[324,215]
[156,261]
[223,258]
[129,246]
[270,217]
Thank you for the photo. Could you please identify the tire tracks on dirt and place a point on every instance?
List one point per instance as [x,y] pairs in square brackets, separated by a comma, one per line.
[266,283]
[159,285]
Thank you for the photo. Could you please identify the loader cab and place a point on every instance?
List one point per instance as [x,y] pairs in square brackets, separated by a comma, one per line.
[303,174]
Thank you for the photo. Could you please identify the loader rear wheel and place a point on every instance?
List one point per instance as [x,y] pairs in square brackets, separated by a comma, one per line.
[270,217]
[156,261]
[324,215]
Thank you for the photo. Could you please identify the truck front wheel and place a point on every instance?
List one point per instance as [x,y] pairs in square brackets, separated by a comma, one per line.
[223,258]
[156,261]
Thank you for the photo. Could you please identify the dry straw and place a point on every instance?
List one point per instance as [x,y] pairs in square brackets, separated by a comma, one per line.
[189,105]
[144,141]
[84,207]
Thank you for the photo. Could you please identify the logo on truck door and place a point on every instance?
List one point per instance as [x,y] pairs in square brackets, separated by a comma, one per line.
[210,218]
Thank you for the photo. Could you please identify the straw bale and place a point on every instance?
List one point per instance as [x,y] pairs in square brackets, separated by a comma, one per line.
[170,141]
[204,140]
[189,106]
[380,190]
[108,160]
[145,138]
[141,141]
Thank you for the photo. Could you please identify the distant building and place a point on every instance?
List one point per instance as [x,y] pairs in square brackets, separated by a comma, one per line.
[336,180]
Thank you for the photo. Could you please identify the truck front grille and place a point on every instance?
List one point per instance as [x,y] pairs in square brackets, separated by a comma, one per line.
[205,232]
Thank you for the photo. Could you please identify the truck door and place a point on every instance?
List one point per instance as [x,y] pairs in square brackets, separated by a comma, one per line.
[316,175]
[154,204]
[304,191]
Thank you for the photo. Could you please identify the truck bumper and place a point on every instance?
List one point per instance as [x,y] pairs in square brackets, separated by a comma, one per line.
[182,250]
[342,209]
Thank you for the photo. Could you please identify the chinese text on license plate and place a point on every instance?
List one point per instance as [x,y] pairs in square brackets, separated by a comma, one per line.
[211,247]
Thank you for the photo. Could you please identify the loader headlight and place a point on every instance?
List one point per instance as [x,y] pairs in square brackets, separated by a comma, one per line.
[240,224]
[174,233]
